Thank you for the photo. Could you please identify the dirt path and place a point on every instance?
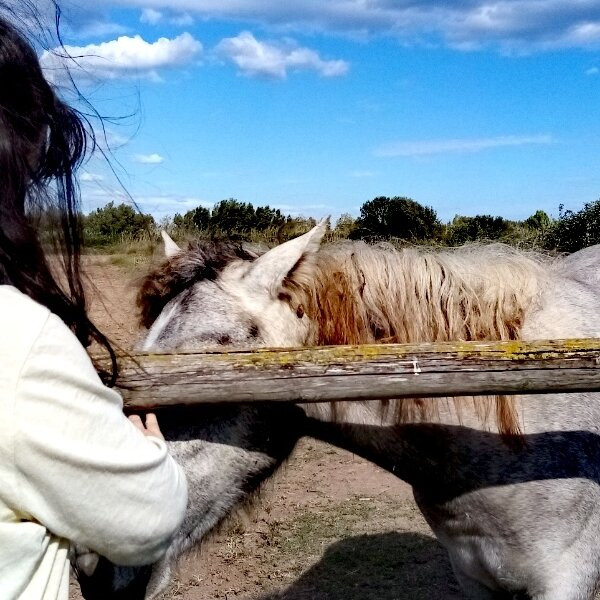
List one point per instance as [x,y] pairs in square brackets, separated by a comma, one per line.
[329,526]
[111,296]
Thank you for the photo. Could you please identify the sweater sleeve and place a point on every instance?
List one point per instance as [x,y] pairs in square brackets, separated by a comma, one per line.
[85,472]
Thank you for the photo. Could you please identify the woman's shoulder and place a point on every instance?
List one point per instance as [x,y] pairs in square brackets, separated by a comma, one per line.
[30,332]
[36,346]
[19,303]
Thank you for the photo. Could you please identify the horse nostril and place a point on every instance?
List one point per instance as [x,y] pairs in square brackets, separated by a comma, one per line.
[224,340]
[300,311]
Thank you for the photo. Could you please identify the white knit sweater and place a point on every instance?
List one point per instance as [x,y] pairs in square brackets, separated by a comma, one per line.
[72,467]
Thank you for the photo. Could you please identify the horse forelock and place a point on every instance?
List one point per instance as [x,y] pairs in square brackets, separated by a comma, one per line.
[200,261]
[358,294]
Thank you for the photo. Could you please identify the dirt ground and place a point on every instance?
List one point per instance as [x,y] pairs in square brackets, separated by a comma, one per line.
[329,525]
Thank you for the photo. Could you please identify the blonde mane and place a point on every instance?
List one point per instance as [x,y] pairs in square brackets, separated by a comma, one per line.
[360,294]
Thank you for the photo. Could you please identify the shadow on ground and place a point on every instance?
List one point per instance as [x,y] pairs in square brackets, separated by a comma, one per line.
[388,566]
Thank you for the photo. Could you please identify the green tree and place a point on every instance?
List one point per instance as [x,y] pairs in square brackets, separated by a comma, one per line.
[197,218]
[397,217]
[266,217]
[182,222]
[539,220]
[110,223]
[233,217]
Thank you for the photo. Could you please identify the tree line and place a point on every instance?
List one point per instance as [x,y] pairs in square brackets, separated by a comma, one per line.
[382,218]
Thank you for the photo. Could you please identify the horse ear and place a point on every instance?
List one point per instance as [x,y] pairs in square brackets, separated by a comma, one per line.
[171,248]
[270,269]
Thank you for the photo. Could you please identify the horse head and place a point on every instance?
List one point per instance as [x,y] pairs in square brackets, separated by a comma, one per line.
[220,294]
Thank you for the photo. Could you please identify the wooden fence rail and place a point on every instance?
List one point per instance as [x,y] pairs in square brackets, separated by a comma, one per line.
[360,372]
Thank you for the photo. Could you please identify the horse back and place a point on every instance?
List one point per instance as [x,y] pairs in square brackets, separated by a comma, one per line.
[583,266]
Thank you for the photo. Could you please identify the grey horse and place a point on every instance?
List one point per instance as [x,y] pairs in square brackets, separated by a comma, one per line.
[510,486]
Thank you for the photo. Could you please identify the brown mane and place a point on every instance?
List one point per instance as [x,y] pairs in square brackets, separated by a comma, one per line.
[361,294]
[201,260]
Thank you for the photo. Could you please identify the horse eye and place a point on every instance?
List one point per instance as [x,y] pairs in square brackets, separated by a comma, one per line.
[300,311]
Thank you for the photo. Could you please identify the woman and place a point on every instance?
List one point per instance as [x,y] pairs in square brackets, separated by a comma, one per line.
[73,468]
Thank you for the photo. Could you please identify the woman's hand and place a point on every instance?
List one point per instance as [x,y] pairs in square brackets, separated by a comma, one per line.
[150,428]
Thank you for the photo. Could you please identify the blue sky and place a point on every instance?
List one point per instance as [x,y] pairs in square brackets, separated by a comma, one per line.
[477,107]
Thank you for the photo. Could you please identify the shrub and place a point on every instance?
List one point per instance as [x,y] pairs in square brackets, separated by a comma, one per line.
[575,230]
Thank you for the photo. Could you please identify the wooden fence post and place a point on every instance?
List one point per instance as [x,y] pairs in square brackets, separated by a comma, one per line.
[360,372]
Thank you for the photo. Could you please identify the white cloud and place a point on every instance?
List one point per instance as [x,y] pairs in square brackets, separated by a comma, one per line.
[159,205]
[184,20]
[269,59]
[470,24]
[592,71]
[107,140]
[91,177]
[112,139]
[428,147]
[148,159]
[150,16]
[78,20]
[96,29]
[169,204]
[583,34]
[121,58]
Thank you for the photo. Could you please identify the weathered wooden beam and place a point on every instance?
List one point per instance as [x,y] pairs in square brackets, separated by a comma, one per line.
[360,372]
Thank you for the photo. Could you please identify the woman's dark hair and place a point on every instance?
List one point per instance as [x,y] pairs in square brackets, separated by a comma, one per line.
[42,142]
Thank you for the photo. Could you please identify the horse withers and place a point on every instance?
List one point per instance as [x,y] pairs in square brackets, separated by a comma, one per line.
[509,485]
